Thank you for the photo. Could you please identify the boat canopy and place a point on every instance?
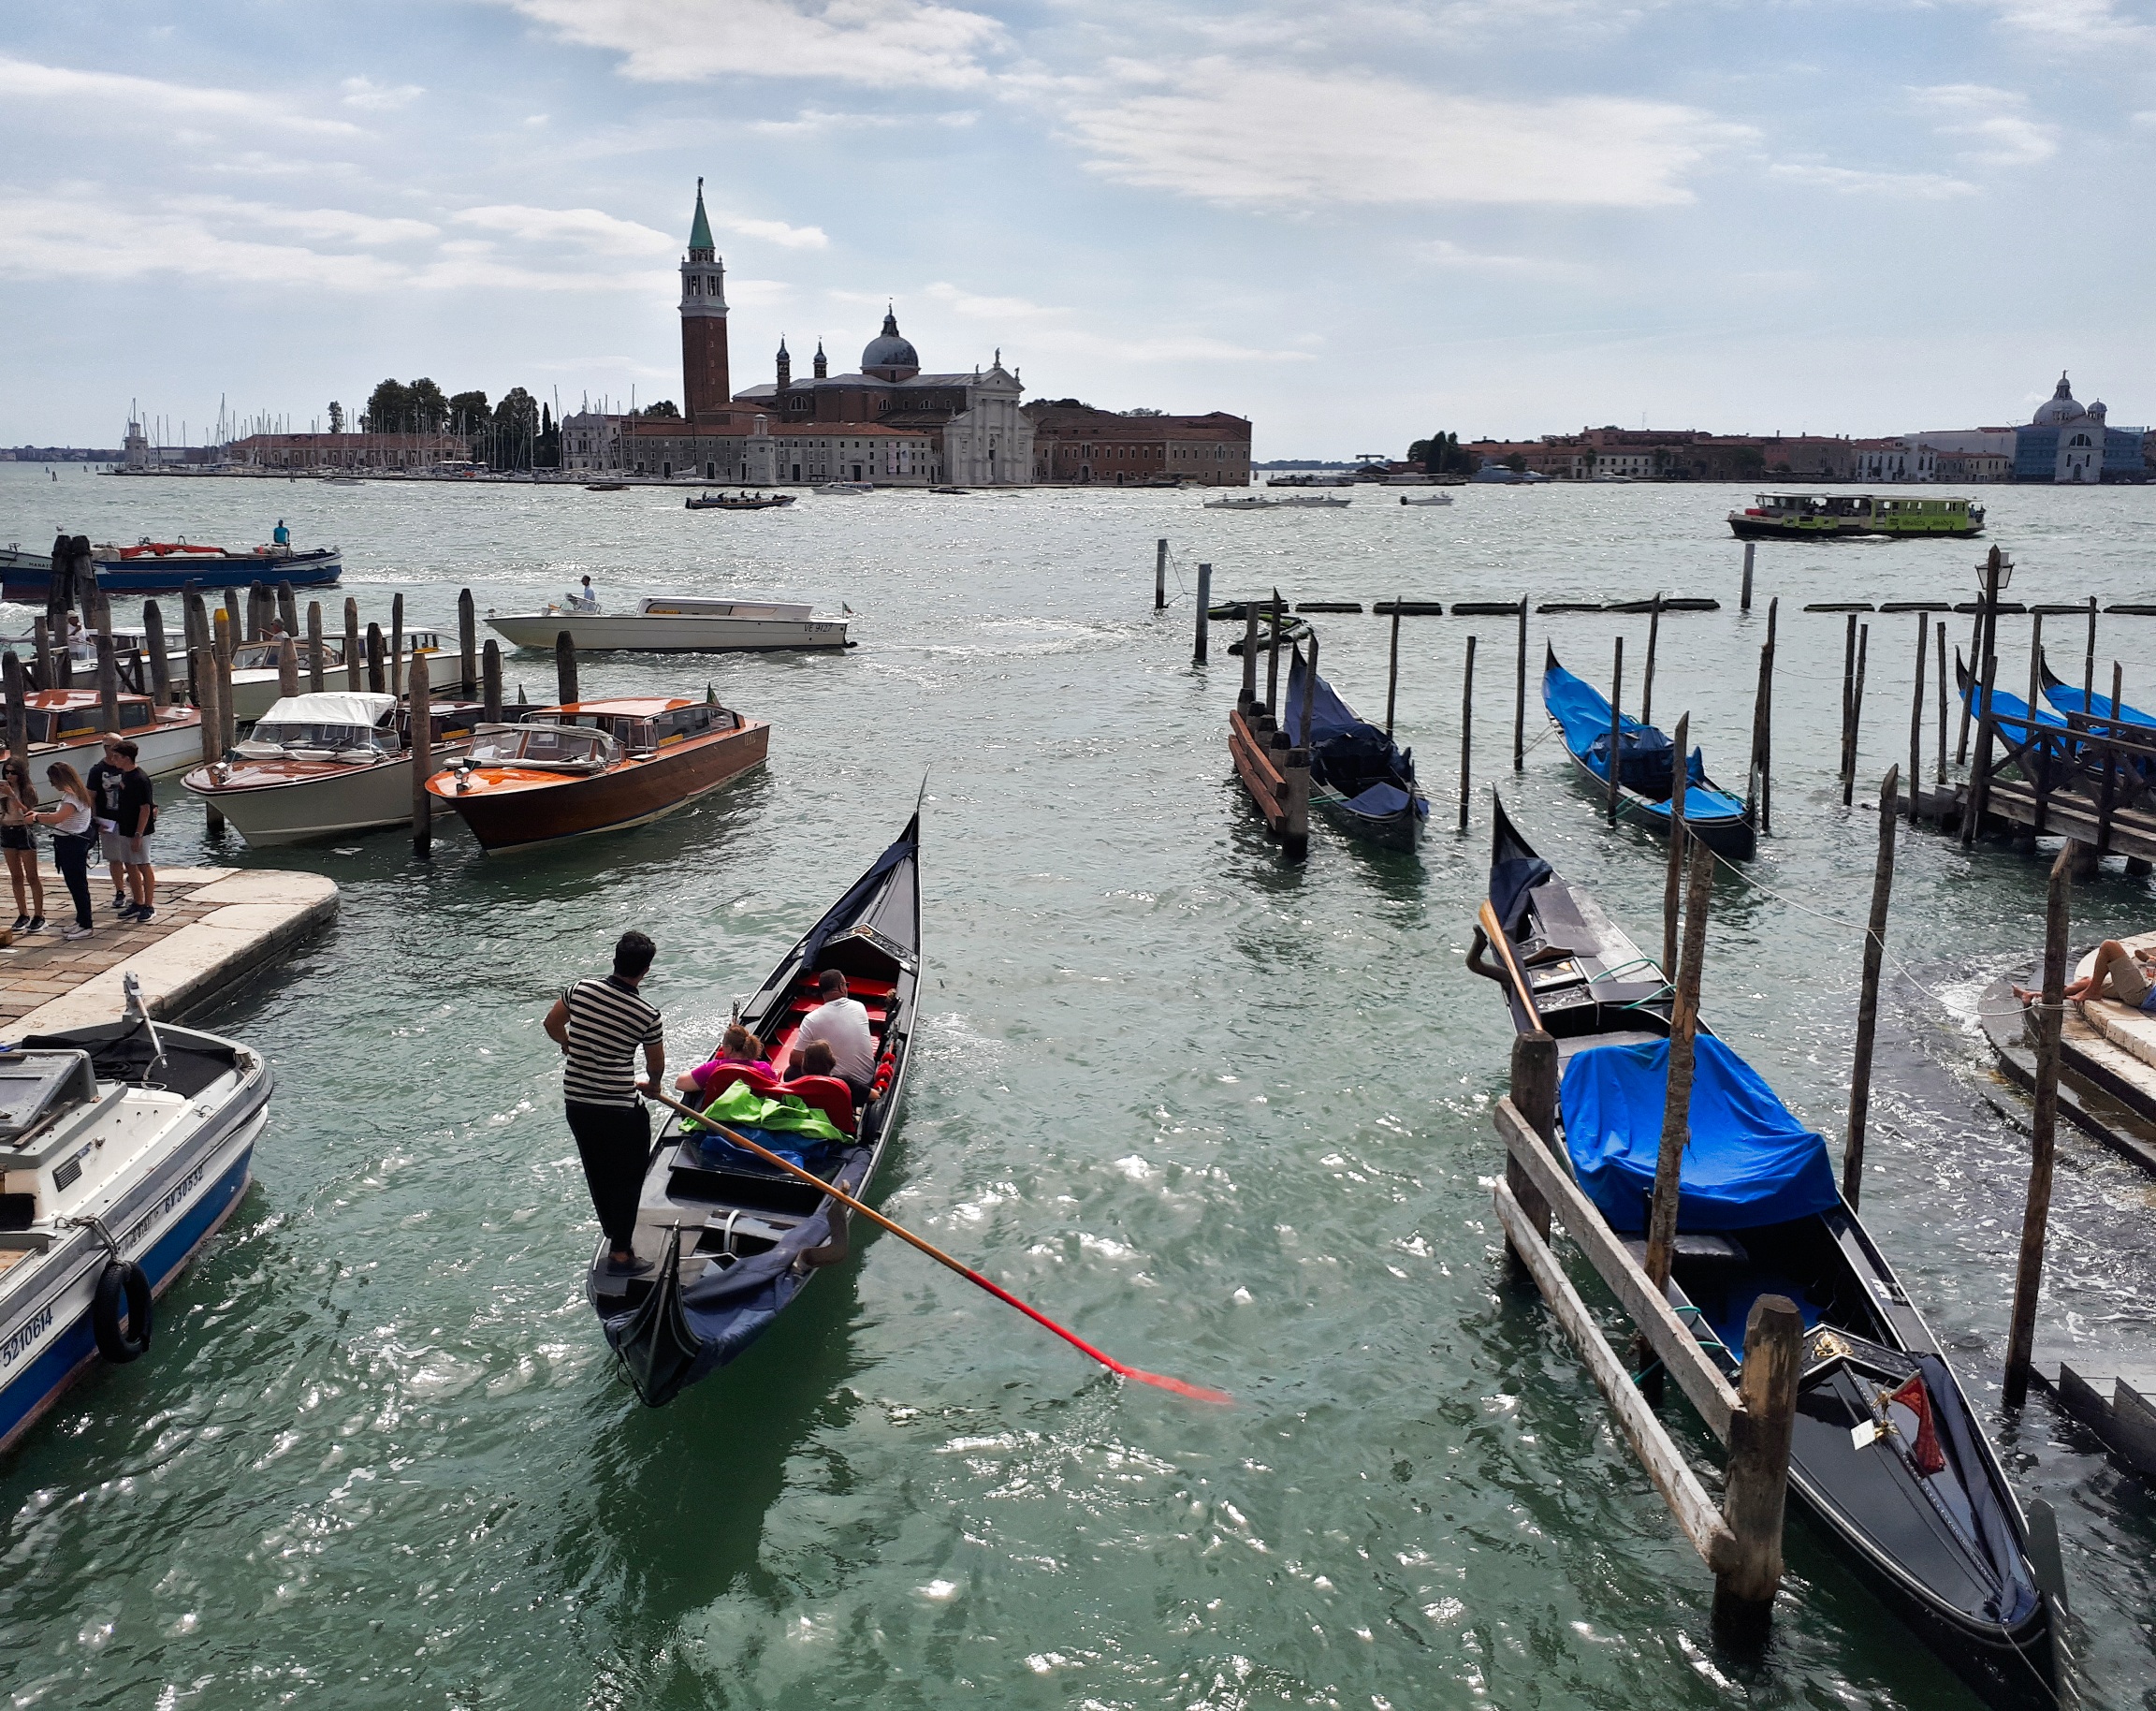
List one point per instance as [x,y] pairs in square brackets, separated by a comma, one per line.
[1357,757]
[331,707]
[1748,1161]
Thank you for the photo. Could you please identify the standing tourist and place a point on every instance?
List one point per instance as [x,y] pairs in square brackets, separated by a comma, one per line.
[17,797]
[71,819]
[136,812]
[104,782]
[600,1025]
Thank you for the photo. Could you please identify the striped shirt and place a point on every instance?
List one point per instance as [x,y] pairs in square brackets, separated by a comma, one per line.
[607,1022]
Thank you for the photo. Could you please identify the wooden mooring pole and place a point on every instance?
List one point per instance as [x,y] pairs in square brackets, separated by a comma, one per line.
[2088,659]
[1616,725]
[352,660]
[11,676]
[1647,683]
[1295,772]
[287,665]
[160,661]
[1273,661]
[467,644]
[1393,667]
[1757,1478]
[1246,697]
[227,710]
[565,668]
[1941,761]
[1466,724]
[1848,695]
[1535,1091]
[2036,671]
[108,684]
[315,647]
[1868,992]
[490,682]
[1677,1098]
[1855,716]
[397,644]
[1980,774]
[1520,696]
[1673,881]
[377,678]
[1917,718]
[287,607]
[422,758]
[2037,1214]
[1759,778]
[205,668]
[1745,599]
[1161,575]
[1204,613]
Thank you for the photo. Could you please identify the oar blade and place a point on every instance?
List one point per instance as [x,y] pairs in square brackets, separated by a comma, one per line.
[1182,1387]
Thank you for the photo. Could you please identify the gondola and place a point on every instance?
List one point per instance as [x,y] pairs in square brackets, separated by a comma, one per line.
[2067,698]
[731,1241]
[2009,712]
[1359,778]
[1646,767]
[1916,1503]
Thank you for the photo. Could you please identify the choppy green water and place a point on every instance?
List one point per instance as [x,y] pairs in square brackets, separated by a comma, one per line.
[1227,1117]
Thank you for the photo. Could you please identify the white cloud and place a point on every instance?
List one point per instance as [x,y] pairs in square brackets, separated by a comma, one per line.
[323,224]
[379,97]
[587,227]
[116,95]
[776,231]
[881,43]
[1852,181]
[2072,25]
[1048,328]
[1995,121]
[1234,133]
[1444,253]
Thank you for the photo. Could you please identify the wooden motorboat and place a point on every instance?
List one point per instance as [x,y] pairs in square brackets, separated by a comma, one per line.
[737,501]
[730,1241]
[128,1143]
[1646,767]
[678,623]
[68,725]
[328,765]
[596,767]
[1359,778]
[1915,1502]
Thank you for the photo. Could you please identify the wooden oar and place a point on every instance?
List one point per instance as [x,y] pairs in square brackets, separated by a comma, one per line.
[1159,1381]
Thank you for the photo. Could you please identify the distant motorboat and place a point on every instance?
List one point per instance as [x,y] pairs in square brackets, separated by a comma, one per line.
[605,487]
[1426,498]
[1249,502]
[1315,502]
[738,501]
[678,624]
[845,487]
[166,567]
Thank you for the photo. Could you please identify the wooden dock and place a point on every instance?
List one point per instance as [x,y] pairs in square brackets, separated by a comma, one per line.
[215,927]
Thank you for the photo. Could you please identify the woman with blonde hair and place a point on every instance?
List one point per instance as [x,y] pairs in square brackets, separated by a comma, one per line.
[18,796]
[70,817]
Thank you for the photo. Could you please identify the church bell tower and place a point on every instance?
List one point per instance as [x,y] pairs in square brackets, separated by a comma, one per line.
[705,388]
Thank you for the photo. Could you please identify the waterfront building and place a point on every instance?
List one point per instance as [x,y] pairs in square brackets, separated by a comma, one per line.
[2068,443]
[353,451]
[592,441]
[1075,443]
[1877,461]
[1975,468]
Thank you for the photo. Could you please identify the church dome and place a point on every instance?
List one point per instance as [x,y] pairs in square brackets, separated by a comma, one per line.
[888,350]
[2058,408]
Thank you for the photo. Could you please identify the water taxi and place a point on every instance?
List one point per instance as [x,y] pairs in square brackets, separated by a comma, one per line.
[256,677]
[1835,516]
[596,766]
[68,725]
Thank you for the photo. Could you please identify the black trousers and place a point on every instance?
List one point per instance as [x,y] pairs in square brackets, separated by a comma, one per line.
[71,856]
[614,1142]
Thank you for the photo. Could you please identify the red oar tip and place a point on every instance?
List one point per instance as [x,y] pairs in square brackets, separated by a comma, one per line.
[1197,1393]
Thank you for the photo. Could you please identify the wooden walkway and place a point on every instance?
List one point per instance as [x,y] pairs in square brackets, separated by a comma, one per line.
[214,926]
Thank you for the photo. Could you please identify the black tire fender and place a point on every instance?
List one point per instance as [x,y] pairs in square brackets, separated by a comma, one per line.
[121,1287]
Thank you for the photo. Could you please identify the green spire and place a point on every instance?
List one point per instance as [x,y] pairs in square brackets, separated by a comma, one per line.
[700,233]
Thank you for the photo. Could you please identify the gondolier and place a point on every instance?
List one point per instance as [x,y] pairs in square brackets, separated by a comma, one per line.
[600,1025]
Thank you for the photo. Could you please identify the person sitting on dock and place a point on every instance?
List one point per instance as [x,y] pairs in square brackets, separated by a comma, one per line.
[842,1023]
[2133,975]
[600,1025]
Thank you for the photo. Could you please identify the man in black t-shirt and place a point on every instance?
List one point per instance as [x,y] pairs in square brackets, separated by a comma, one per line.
[103,782]
[134,810]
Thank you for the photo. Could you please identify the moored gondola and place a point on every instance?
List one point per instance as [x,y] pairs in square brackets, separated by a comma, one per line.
[1646,767]
[2009,712]
[724,1241]
[1887,1459]
[2131,722]
[1359,778]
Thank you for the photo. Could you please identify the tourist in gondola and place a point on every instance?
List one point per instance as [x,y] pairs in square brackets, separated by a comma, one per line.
[600,1026]
[842,1023]
[737,1049]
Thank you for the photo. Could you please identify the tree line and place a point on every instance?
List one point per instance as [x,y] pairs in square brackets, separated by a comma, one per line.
[517,433]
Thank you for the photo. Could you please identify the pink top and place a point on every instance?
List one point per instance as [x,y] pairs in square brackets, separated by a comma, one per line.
[703,1073]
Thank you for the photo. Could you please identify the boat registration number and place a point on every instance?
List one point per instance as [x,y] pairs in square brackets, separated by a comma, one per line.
[27,1335]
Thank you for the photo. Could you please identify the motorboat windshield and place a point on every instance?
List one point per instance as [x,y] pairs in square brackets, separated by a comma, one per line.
[554,748]
[303,741]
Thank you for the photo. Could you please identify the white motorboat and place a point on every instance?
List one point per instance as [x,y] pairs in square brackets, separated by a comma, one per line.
[254,672]
[679,624]
[125,1145]
[845,487]
[1248,501]
[1317,502]
[327,765]
[68,724]
[1426,498]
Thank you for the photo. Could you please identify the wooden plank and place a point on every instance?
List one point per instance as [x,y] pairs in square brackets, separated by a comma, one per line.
[1262,791]
[1698,1376]
[1260,754]
[1692,1510]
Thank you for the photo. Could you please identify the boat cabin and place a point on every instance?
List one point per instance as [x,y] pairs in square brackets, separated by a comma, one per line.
[68,716]
[659,606]
[640,726]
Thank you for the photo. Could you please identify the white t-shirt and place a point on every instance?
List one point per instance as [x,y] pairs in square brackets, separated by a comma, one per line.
[843,1026]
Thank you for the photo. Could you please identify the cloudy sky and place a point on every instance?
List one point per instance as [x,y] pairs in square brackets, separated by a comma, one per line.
[1353,220]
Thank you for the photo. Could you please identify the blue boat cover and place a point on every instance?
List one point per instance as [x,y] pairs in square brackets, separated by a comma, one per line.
[2067,698]
[1373,775]
[1646,762]
[1748,1161]
[2009,713]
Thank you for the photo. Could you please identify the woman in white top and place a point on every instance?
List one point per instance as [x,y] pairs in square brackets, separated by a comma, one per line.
[70,818]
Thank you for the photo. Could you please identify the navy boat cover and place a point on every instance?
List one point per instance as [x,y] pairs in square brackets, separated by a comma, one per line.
[1748,1163]
[1349,750]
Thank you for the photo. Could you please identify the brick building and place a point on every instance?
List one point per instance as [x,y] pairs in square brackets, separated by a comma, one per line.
[1076,443]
